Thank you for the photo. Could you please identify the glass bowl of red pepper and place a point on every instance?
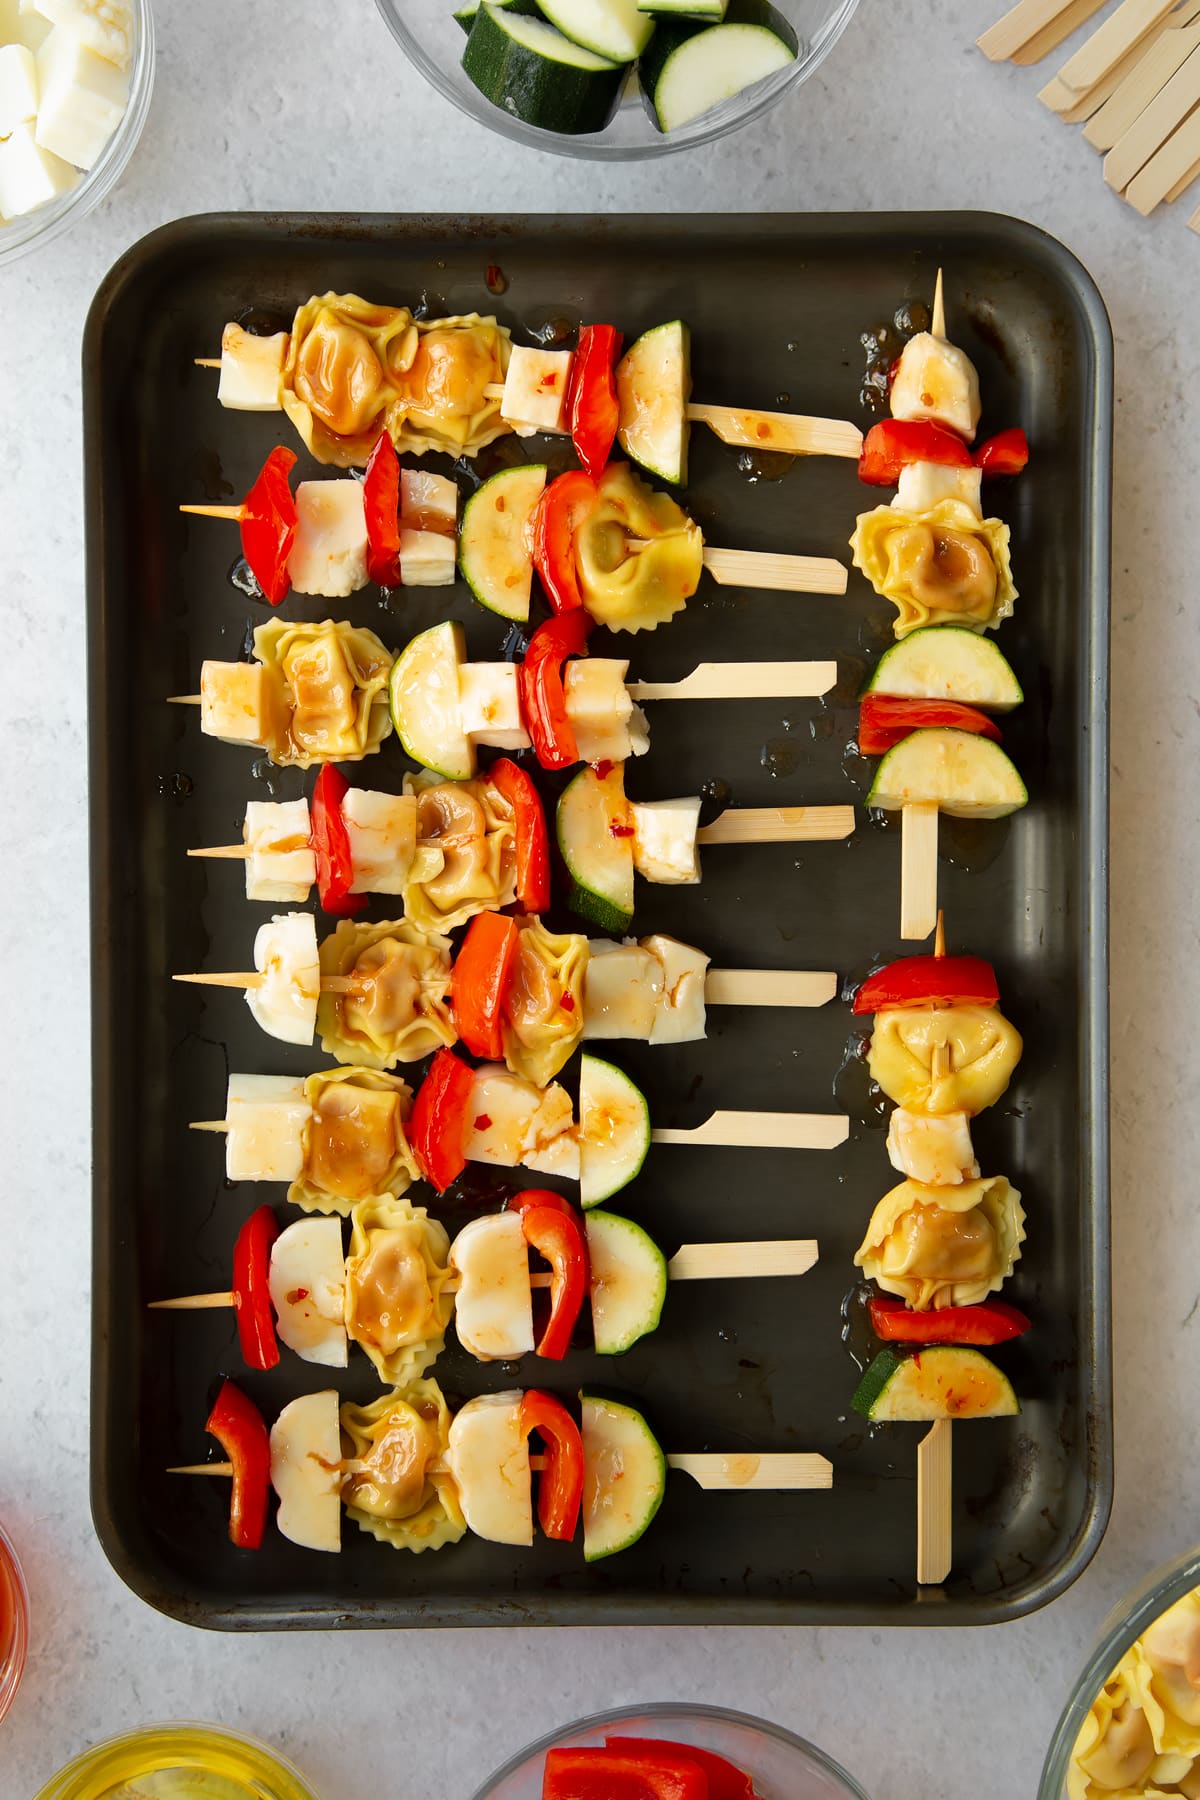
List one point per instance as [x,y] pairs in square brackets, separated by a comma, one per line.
[14,1623]
[671,1751]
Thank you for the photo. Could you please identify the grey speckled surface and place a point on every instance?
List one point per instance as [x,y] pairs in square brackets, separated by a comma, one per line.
[308,105]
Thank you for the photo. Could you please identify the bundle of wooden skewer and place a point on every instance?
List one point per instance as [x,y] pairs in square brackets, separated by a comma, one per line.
[1134,86]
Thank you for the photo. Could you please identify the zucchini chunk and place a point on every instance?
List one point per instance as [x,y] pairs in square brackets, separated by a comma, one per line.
[948,662]
[492,554]
[426,703]
[527,68]
[624,1476]
[595,835]
[943,1381]
[614,29]
[690,67]
[614,1130]
[629,1282]
[654,385]
[967,776]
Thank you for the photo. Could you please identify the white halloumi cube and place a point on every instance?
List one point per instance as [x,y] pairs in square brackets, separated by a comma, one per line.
[30,176]
[382,829]
[266,1117]
[664,840]
[936,382]
[20,24]
[234,700]
[251,370]
[490,705]
[81,99]
[285,956]
[18,87]
[679,1017]
[306,1472]
[923,485]
[104,26]
[608,726]
[514,1124]
[428,502]
[493,1309]
[280,864]
[933,1149]
[622,986]
[487,1454]
[535,390]
[307,1282]
[329,554]
[427,558]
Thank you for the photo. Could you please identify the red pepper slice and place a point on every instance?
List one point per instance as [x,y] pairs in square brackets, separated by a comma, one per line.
[238,1427]
[553,1229]
[725,1781]
[564,504]
[381,505]
[543,696]
[438,1122]
[331,846]
[592,400]
[482,970]
[929,981]
[252,1291]
[1005,454]
[883,721]
[894,443]
[560,1488]
[611,1774]
[533,845]
[991,1322]
[269,525]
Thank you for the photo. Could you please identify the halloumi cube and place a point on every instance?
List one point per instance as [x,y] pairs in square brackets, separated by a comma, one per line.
[679,1017]
[664,840]
[608,726]
[104,26]
[493,1309]
[18,87]
[923,485]
[285,955]
[280,865]
[535,390]
[235,699]
[514,1124]
[487,1453]
[307,1283]
[428,502]
[30,176]
[934,1149]
[490,705]
[382,829]
[306,1472]
[81,99]
[20,24]
[266,1117]
[937,382]
[622,986]
[329,554]
[251,370]
[427,558]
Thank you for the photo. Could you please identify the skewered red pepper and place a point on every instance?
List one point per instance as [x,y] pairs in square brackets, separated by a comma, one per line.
[268,525]
[991,1322]
[238,1427]
[331,846]
[725,1781]
[564,504]
[252,1290]
[894,443]
[482,970]
[438,1123]
[882,721]
[1005,454]
[611,1774]
[560,1488]
[533,845]
[592,405]
[554,1230]
[543,695]
[929,981]
[381,506]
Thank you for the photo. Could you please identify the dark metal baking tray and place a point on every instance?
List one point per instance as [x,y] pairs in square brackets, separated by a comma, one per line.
[777,305]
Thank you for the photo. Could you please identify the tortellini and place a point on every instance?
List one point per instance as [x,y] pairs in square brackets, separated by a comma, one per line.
[397,1486]
[355,1144]
[397,1306]
[981,1051]
[543,1007]
[635,590]
[466,858]
[332,700]
[398,1009]
[936,1247]
[1141,1738]
[354,370]
[943,566]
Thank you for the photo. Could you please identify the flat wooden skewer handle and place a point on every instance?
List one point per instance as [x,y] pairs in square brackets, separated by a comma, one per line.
[783,574]
[934,1495]
[742,681]
[778,825]
[1028,22]
[711,1469]
[762,1131]
[1166,110]
[769,987]
[918,869]
[747,1261]
[799,434]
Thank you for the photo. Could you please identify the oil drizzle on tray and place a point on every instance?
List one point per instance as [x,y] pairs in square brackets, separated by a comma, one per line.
[882,344]
[858,1337]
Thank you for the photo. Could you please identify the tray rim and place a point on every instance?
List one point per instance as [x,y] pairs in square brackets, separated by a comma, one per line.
[930,1607]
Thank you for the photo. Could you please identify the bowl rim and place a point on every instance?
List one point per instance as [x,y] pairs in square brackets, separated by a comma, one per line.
[178,1733]
[13,1666]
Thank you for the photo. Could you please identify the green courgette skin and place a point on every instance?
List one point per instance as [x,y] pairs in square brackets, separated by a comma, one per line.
[468,14]
[553,96]
[671,33]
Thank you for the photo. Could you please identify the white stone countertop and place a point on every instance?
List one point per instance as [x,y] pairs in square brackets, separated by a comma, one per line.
[308,104]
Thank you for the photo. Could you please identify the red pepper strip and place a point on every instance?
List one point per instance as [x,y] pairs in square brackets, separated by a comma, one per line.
[564,504]
[533,845]
[929,981]
[238,1427]
[331,846]
[554,1231]
[991,1322]
[381,505]
[1005,454]
[482,971]
[543,696]
[438,1122]
[269,525]
[894,443]
[560,1488]
[251,1289]
[882,721]
[592,401]
[725,1782]
[609,1774]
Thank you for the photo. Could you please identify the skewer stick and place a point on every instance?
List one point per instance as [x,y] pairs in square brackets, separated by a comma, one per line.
[1028,21]
[1141,78]
[1167,168]
[236,513]
[712,1470]
[799,434]
[937,323]
[207,362]
[778,825]
[762,1131]
[781,574]
[254,978]
[934,1496]
[1121,32]
[1078,13]
[1167,109]
[742,681]
[918,869]
[769,987]
[185,699]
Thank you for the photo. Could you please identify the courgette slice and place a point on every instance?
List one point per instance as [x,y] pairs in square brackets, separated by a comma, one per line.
[614,1130]
[595,835]
[948,662]
[711,10]
[465,15]
[967,776]
[492,553]
[943,1381]
[624,1476]
[528,69]
[629,1282]
[689,68]
[426,705]
[614,29]
[654,385]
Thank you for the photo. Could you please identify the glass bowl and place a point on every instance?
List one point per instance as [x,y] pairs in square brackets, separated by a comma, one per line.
[784,1766]
[1126,1622]
[229,1765]
[14,1623]
[431,37]
[51,220]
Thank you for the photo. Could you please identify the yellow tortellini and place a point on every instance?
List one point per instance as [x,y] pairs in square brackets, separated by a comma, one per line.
[944,566]
[355,1143]
[466,858]
[635,590]
[936,1247]
[1141,1738]
[397,1306]
[398,1009]
[332,690]
[396,1486]
[543,1008]
[978,1051]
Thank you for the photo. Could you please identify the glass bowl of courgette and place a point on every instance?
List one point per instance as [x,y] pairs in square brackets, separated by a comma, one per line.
[616,80]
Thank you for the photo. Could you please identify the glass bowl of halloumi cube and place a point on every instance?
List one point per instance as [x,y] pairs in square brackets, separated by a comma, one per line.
[75,84]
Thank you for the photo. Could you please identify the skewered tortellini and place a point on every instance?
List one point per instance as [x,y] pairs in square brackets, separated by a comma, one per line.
[981,1050]
[635,590]
[330,685]
[397,1010]
[397,1486]
[942,566]
[543,1007]
[397,1306]
[466,858]
[936,1247]
[355,1143]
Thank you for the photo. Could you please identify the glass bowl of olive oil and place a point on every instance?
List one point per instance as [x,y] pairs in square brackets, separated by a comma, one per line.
[179,1761]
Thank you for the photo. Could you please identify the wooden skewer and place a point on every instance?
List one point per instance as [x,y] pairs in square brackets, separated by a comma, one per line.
[1078,13]
[762,1131]
[1123,31]
[207,362]
[779,573]
[742,681]
[236,513]
[255,978]
[714,1470]
[1185,181]
[769,987]
[1030,22]
[778,825]
[1167,168]
[934,1497]
[918,869]
[1140,79]
[1168,109]
[799,434]
[937,321]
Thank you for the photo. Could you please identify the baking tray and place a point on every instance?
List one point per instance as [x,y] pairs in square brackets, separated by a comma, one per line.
[777,304]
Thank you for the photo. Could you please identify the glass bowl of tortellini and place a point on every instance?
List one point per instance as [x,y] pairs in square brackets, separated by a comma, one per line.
[1131,1729]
